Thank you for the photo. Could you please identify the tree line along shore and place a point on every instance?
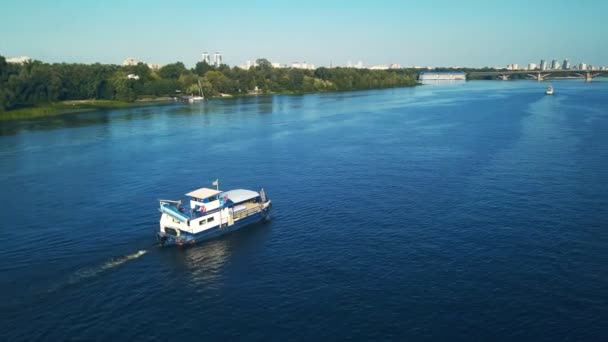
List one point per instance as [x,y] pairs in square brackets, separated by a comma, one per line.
[38,89]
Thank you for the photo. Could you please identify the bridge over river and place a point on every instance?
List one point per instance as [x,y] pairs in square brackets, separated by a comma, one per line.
[541,75]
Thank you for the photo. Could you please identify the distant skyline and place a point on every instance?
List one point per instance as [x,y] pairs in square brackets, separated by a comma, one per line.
[435,32]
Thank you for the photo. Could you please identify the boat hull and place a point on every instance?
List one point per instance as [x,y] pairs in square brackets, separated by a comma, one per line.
[211,233]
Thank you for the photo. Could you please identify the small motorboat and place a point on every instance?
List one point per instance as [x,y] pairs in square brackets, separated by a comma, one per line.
[549,91]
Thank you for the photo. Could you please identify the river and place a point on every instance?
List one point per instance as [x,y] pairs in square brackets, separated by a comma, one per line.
[464,211]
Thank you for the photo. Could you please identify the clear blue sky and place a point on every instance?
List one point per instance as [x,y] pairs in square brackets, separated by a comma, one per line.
[433,32]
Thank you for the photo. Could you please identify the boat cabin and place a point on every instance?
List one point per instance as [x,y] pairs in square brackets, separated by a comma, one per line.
[204,200]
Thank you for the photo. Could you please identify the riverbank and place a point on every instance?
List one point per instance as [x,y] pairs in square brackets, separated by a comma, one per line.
[75,106]
[80,106]
[38,89]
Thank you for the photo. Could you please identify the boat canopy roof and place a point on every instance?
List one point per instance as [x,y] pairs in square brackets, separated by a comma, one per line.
[203,193]
[240,195]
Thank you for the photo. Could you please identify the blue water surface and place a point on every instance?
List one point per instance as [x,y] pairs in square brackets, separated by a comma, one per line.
[465,211]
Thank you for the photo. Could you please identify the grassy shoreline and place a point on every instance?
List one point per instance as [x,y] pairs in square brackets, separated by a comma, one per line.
[81,106]
[75,106]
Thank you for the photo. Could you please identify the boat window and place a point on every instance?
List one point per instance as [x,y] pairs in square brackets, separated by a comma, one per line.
[202,222]
[210,219]
[170,231]
[210,199]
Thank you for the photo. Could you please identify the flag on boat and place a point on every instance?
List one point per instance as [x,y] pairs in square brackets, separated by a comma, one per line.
[216,182]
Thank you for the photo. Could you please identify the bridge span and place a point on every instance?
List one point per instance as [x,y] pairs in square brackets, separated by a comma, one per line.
[541,75]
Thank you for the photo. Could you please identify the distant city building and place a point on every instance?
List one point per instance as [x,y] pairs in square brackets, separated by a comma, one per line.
[248,64]
[531,66]
[206,58]
[218,59]
[442,76]
[302,65]
[554,64]
[543,64]
[566,64]
[154,66]
[130,61]
[19,60]
[379,67]
[395,66]
[359,65]
[513,66]
[582,66]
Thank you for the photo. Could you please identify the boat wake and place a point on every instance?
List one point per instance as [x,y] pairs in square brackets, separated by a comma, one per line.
[91,272]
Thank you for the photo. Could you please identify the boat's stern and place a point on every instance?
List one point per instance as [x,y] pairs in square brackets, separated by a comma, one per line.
[266,206]
[168,236]
[173,217]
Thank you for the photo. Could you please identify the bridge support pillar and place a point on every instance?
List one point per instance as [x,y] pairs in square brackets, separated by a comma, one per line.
[542,77]
[538,76]
[588,76]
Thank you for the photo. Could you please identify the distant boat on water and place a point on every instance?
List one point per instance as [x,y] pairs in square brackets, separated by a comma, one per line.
[190,98]
[201,97]
[549,90]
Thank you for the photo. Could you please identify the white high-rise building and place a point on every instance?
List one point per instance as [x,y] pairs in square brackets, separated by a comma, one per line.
[582,66]
[206,58]
[554,64]
[217,59]
[531,66]
[543,64]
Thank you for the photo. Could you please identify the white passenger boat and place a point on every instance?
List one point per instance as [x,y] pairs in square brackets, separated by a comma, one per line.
[549,91]
[211,213]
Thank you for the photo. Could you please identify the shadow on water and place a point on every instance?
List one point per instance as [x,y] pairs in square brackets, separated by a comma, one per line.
[77,120]
[205,261]
[229,106]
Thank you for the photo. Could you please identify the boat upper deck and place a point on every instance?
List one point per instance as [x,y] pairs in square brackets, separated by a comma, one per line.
[203,193]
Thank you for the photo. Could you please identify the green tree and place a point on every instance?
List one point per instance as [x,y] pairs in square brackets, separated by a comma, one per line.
[172,71]
[219,82]
[263,64]
[202,67]
[123,87]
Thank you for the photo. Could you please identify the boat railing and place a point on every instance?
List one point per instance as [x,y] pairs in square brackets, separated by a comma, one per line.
[247,212]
